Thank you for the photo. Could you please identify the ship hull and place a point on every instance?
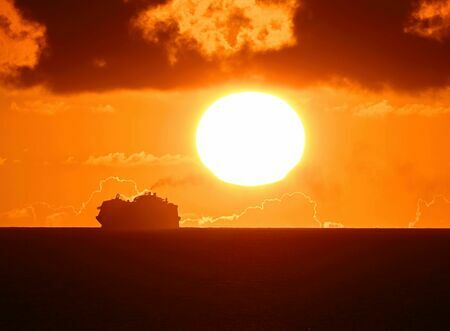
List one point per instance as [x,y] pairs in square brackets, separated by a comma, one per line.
[146,212]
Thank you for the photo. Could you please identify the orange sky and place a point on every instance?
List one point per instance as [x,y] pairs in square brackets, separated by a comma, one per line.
[106,100]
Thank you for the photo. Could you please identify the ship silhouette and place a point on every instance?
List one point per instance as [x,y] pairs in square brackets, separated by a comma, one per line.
[145,212]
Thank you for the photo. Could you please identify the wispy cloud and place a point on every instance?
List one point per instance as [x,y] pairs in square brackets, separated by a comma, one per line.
[40,107]
[100,189]
[136,159]
[440,217]
[103,108]
[369,104]
[176,181]
[69,161]
[331,225]
[384,107]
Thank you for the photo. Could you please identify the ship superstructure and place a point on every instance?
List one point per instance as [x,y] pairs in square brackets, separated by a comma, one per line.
[145,212]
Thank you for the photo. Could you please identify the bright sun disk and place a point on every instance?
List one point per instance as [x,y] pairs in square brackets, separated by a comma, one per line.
[250,138]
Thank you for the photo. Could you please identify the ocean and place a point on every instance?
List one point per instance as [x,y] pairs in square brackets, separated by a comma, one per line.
[225,279]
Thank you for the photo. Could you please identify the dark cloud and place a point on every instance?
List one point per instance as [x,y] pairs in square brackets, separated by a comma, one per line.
[81,35]
[92,45]
[363,41]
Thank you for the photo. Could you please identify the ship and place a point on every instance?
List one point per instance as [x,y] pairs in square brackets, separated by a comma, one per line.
[145,212]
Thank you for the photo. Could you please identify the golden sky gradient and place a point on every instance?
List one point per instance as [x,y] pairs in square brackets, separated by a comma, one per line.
[107,100]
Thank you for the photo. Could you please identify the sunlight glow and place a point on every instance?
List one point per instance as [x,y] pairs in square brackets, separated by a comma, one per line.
[250,138]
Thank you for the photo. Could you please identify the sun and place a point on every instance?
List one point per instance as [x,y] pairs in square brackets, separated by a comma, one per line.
[250,138]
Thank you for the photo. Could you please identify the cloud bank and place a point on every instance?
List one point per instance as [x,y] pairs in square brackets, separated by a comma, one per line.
[43,214]
[290,210]
[375,44]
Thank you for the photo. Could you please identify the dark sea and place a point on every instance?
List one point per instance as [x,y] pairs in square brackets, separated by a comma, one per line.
[225,279]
